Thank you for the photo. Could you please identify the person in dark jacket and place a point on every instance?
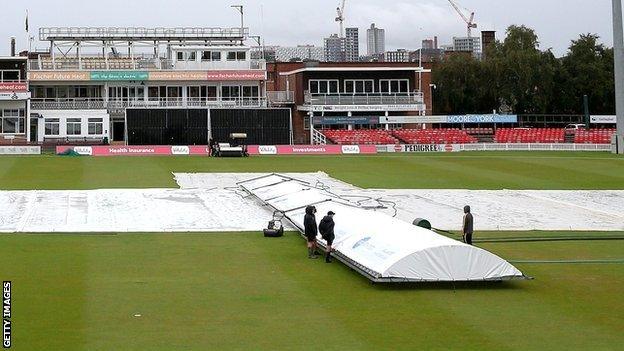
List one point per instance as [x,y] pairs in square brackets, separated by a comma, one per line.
[468,226]
[311,231]
[326,228]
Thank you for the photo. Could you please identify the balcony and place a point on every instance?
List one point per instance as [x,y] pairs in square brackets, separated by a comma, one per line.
[406,102]
[99,104]
[140,64]
[281,97]
[414,98]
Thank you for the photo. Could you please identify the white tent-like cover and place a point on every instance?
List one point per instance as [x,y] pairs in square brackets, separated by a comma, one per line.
[381,247]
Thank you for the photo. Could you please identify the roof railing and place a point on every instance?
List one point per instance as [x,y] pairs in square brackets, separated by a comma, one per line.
[129,33]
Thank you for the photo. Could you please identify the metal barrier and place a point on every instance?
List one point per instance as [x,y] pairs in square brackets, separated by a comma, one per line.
[138,63]
[125,33]
[281,97]
[415,98]
[98,104]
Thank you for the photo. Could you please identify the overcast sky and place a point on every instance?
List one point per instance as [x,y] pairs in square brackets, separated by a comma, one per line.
[291,22]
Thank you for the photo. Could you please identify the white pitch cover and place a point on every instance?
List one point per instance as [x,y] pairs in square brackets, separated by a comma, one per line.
[384,247]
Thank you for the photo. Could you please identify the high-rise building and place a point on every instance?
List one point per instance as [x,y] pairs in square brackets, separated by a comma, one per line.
[335,49]
[375,41]
[488,37]
[352,44]
[300,53]
[430,44]
[467,44]
[400,55]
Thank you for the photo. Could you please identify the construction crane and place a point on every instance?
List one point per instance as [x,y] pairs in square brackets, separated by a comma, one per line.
[469,20]
[340,18]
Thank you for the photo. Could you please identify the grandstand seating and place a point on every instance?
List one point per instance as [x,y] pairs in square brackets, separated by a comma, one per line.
[479,131]
[361,137]
[528,135]
[467,136]
[594,136]
[434,136]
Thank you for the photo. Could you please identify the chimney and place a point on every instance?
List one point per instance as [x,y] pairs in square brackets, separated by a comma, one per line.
[435,42]
[12,46]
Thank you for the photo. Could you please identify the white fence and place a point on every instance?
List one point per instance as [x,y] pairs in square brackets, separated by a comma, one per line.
[492,147]
[20,150]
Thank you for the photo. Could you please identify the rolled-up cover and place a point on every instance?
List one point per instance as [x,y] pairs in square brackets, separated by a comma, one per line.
[379,246]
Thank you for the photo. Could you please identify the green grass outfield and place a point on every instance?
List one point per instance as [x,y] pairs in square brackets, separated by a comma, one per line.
[512,170]
[241,291]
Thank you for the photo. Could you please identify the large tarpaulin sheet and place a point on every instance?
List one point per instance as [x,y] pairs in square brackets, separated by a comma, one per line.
[380,246]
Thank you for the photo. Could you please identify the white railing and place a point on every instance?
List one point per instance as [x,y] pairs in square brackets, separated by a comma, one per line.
[415,98]
[499,147]
[318,138]
[96,104]
[68,104]
[130,64]
[535,147]
[215,65]
[120,33]
[281,97]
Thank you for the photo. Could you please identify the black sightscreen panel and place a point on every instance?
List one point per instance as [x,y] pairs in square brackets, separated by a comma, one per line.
[262,126]
[167,127]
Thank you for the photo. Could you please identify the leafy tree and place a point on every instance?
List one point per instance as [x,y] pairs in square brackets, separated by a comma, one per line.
[589,71]
[531,81]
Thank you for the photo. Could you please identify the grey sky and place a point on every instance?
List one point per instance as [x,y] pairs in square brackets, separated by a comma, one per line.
[306,22]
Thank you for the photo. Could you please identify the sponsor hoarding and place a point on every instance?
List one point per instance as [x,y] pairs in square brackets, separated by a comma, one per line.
[119,75]
[472,119]
[312,149]
[59,75]
[411,119]
[604,119]
[136,150]
[346,120]
[222,75]
[267,150]
[14,96]
[13,87]
[425,148]
[236,75]
[177,75]
[347,108]
[463,119]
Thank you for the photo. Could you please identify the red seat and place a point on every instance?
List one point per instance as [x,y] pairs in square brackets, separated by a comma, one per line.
[361,137]
[594,136]
[523,135]
[434,136]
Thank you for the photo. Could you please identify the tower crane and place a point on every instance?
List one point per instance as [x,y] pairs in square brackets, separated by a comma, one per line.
[340,17]
[469,20]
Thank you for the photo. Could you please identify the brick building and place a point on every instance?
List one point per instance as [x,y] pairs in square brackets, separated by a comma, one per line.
[347,95]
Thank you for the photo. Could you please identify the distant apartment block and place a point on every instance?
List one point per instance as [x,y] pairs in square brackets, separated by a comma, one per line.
[400,55]
[467,44]
[299,53]
[376,41]
[352,44]
[335,49]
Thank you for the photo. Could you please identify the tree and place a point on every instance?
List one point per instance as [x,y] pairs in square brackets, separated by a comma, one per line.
[516,72]
[589,71]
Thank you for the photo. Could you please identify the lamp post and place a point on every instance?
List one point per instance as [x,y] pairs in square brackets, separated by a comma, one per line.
[240,9]
[618,48]
[432,87]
